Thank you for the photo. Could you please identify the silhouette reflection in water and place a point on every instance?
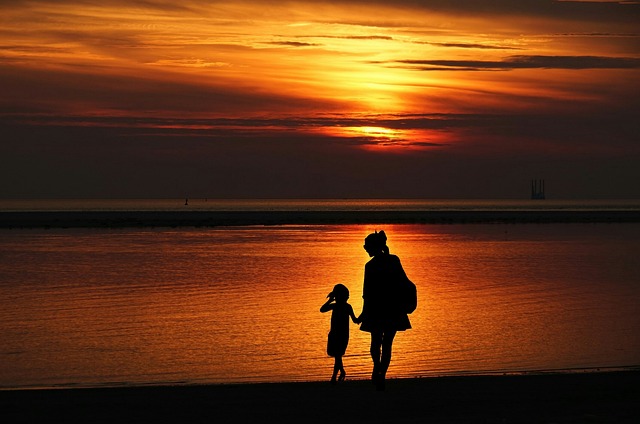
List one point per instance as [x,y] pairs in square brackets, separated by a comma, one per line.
[384,310]
[338,338]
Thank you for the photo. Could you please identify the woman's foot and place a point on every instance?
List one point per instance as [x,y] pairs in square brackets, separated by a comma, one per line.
[342,376]
[375,375]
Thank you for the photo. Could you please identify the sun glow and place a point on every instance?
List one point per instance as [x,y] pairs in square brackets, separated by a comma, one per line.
[378,132]
[384,139]
[251,63]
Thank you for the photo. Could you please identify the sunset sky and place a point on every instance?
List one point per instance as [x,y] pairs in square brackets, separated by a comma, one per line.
[314,99]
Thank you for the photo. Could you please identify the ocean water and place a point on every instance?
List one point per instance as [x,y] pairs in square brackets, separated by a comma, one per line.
[107,307]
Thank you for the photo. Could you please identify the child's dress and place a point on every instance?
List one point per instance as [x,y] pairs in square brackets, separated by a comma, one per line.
[338,338]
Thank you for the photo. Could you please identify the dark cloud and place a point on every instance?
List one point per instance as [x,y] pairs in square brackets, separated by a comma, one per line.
[598,34]
[238,128]
[60,90]
[572,131]
[294,44]
[212,126]
[62,161]
[471,46]
[602,11]
[528,62]
[357,37]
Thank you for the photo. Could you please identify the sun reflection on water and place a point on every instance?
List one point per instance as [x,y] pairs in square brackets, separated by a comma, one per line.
[94,307]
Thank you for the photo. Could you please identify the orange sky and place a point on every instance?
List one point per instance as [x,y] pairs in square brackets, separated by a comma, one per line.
[319,99]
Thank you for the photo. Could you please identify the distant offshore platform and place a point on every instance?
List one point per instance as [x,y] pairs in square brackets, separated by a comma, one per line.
[537,189]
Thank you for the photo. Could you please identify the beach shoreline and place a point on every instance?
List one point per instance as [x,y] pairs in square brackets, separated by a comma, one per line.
[562,398]
[199,218]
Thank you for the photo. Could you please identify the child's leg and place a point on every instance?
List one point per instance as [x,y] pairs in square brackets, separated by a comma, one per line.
[337,364]
[340,366]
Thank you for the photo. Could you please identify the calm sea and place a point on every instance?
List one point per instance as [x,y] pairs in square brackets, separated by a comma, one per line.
[106,307]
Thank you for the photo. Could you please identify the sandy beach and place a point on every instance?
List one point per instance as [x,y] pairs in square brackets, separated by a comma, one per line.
[589,397]
[196,218]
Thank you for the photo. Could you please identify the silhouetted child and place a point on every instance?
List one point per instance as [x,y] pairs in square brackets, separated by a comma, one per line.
[339,333]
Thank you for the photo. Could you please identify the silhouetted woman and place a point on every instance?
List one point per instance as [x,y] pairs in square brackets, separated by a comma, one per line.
[382,310]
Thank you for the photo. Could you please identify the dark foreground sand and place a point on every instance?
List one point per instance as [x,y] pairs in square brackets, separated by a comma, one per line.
[597,397]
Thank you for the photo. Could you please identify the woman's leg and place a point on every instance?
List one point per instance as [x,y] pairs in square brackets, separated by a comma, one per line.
[387,344]
[375,350]
[385,360]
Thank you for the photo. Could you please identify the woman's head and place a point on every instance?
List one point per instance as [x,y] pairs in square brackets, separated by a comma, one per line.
[375,243]
[340,292]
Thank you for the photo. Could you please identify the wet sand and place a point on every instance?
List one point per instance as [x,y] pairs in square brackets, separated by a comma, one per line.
[594,397]
[199,218]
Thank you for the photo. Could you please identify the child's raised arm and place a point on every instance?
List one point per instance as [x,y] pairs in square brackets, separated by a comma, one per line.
[328,305]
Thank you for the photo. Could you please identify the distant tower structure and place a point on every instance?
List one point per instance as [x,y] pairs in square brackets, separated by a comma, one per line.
[537,189]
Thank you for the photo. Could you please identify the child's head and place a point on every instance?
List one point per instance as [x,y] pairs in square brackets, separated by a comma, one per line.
[340,292]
